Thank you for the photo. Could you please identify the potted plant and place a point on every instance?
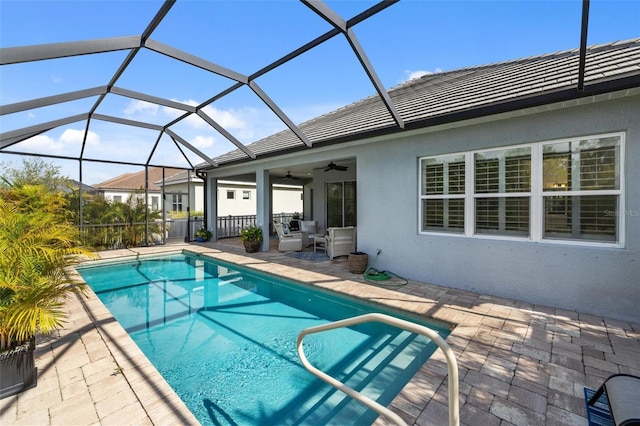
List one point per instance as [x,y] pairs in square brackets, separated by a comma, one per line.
[252,238]
[203,234]
[38,241]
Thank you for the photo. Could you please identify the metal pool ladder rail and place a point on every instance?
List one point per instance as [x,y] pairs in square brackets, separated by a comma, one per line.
[454,418]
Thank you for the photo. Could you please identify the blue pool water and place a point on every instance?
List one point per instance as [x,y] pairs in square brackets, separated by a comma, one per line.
[225,339]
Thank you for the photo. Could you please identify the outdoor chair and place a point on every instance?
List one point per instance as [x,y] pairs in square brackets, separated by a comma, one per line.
[620,403]
[287,240]
[341,241]
[309,230]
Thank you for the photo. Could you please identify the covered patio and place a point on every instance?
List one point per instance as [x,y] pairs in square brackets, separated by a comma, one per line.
[519,363]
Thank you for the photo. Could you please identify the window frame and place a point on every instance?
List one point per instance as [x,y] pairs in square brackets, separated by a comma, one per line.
[176,202]
[445,195]
[537,195]
[619,192]
[502,193]
[341,204]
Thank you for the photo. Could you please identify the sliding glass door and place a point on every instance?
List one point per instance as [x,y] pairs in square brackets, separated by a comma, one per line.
[341,204]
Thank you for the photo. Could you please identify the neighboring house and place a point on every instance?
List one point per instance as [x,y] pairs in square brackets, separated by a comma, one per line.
[119,188]
[235,198]
[182,190]
[239,198]
[516,179]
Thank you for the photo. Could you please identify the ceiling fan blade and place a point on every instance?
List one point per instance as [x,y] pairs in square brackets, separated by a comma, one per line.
[289,176]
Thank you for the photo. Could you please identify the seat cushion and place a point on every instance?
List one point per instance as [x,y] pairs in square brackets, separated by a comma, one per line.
[623,393]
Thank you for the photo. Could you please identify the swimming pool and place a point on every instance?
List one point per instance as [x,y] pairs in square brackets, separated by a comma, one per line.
[224,338]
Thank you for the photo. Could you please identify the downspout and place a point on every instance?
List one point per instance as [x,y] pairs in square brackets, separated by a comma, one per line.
[146,206]
[203,176]
[187,238]
[80,227]
[165,235]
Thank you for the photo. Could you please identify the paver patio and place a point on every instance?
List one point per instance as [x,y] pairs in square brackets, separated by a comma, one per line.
[519,363]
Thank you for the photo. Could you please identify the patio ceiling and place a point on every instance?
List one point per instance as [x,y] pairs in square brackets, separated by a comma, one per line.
[131,55]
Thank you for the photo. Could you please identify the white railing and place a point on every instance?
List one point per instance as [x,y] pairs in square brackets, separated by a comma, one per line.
[454,418]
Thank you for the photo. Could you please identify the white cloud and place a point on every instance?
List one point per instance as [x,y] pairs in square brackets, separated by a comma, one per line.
[67,143]
[229,119]
[202,141]
[143,107]
[246,123]
[56,80]
[74,136]
[43,143]
[410,75]
[175,113]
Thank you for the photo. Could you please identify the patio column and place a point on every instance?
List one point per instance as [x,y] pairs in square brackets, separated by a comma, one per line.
[263,205]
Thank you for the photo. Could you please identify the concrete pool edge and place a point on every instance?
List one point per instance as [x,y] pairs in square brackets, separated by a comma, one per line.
[155,396]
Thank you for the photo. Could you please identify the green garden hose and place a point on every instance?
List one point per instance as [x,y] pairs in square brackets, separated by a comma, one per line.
[382,278]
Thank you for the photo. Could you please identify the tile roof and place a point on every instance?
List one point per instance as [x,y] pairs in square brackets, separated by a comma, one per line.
[135,181]
[179,177]
[465,93]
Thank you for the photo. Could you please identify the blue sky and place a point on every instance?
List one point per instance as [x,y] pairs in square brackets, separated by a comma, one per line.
[408,39]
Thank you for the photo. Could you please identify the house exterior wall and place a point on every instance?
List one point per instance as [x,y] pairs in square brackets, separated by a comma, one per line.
[110,195]
[238,206]
[598,280]
[196,195]
[285,199]
[602,280]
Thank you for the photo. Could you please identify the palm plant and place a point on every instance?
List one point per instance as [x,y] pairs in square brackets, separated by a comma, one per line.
[133,214]
[98,235]
[37,243]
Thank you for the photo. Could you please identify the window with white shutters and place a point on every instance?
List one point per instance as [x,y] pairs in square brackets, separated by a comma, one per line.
[502,181]
[443,189]
[569,190]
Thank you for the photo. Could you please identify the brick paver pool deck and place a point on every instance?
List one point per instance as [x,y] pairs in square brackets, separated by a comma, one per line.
[519,363]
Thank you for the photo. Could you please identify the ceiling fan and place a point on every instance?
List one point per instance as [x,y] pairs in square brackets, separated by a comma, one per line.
[289,176]
[334,166]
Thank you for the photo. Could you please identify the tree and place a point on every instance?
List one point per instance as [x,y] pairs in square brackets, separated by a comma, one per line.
[34,172]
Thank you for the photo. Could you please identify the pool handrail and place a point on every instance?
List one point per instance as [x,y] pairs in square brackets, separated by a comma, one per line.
[454,417]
